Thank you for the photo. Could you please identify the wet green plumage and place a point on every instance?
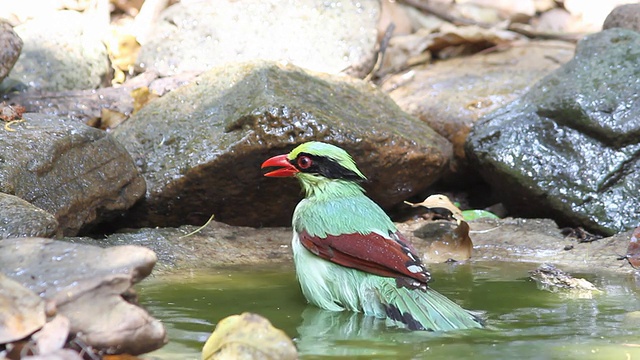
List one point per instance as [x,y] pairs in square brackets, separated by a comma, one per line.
[335,206]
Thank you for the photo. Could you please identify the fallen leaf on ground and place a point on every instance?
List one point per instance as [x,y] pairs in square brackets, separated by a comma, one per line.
[440,201]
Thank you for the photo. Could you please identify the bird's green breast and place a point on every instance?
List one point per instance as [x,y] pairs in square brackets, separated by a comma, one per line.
[343,209]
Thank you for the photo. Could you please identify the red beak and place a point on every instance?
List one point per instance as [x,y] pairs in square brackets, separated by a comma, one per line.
[286,169]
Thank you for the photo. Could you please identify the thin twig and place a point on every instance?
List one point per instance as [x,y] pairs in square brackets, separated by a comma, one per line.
[198,229]
[384,44]
[7,125]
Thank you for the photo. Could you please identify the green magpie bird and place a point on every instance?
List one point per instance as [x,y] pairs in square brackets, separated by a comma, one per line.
[349,255]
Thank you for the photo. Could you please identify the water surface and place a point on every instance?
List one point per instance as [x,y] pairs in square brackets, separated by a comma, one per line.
[524,322]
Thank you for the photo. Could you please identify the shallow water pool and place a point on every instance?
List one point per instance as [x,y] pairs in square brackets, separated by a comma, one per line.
[524,322]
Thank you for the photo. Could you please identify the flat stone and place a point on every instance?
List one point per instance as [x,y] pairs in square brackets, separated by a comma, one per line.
[314,34]
[19,218]
[79,174]
[200,147]
[533,241]
[88,285]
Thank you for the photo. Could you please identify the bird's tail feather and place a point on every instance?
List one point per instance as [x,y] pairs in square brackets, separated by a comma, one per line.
[425,309]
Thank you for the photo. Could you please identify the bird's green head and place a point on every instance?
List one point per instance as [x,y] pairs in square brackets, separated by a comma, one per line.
[314,162]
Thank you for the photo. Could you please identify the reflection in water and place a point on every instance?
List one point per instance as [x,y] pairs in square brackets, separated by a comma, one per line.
[325,332]
[524,322]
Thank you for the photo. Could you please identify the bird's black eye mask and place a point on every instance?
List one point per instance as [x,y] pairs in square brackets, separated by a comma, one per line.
[323,166]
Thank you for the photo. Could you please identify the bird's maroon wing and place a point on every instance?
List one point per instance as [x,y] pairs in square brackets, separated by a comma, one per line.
[373,253]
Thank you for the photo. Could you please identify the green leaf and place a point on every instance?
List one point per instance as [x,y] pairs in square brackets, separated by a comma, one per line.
[470,215]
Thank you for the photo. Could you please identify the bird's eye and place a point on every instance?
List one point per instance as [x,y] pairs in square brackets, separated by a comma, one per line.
[304,162]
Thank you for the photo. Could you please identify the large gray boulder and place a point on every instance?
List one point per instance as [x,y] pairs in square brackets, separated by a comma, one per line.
[200,147]
[62,51]
[570,147]
[79,174]
[314,34]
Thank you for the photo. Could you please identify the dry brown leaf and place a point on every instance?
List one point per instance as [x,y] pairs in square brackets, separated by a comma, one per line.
[141,97]
[450,35]
[10,112]
[446,39]
[110,119]
[442,202]
[404,50]
[123,49]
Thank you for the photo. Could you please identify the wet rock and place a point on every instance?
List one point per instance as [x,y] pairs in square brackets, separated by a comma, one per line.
[10,45]
[569,147]
[79,174]
[21,311]
[18,218]
[631,320]
[248,336]
[540,241]
[214,245]
[624,16]
[200,147]
[62,51]
[328,37]
[517,240]
[550,278]
[451,95]
[89,286]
